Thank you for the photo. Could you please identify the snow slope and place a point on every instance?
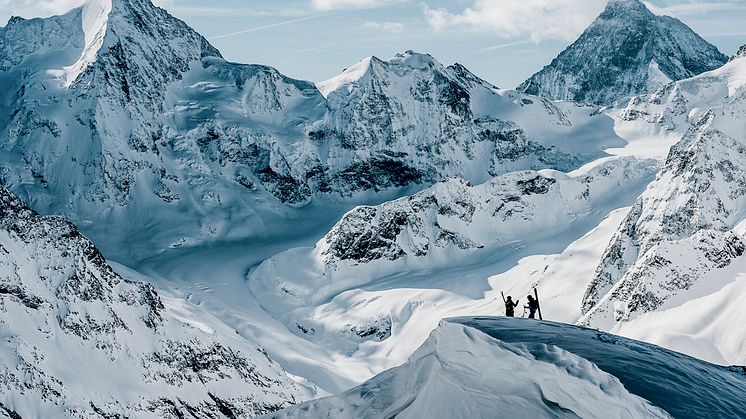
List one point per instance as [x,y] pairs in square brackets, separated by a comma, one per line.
[626,51]
[681,385]
[80,340]
[483,367]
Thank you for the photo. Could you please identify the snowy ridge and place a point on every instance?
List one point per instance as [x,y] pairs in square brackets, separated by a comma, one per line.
[347,78]
[81,340]
[626,51]
[681,244]
[95,16]
[462,372]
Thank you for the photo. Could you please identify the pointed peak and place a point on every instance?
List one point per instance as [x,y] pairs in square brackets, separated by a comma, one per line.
[625,5]
[348,76]
[622,9]
[415,60]
[372,65]
[460,72]
[95,21]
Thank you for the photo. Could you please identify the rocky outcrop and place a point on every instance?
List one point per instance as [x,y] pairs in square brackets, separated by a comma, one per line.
[455,214]
[740,54]
[679,230]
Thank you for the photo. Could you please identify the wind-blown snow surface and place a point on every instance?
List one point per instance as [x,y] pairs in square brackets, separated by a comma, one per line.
[80,340]
[626,51]
[462,372]
[683,386]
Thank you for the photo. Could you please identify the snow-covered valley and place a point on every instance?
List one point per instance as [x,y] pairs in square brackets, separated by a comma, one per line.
[270,241]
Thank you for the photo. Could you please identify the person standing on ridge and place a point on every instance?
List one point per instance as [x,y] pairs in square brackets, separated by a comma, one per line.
[533,305]
[510,306]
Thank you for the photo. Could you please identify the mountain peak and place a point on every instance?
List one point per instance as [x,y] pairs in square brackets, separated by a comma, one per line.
[348,76]
[627,50]
[409,59]
[627,5]
[106,23]
[95,20]
[628,11]
[414,59]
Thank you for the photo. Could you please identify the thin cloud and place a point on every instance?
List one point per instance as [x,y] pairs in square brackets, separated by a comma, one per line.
[270,26]
[695,8]
[390,27]
[37,8]
[503,46]
[535,19]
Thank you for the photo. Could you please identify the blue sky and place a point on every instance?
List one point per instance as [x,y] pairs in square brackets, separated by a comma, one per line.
[503,41]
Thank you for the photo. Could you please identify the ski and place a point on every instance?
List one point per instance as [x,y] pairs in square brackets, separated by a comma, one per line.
[538,303]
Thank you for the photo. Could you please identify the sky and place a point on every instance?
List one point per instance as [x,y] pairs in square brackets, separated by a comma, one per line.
[502,41]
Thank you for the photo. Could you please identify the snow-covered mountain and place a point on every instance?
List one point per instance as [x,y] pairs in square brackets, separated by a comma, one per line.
[487,367]
[351,291]
[683,242]
[336,223]
[81,341]
[626,51]
[124,119]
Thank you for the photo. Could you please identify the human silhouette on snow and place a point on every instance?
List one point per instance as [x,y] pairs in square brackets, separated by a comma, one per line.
[510,306]
[533,305]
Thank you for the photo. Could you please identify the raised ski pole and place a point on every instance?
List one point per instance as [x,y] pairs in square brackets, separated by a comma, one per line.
[536,294]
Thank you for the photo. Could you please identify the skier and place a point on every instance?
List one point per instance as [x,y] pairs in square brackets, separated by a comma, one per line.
[510,305]
[532,306]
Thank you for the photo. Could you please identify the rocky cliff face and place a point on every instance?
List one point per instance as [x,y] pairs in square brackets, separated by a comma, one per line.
[626,51]
[683,229]
[80,340]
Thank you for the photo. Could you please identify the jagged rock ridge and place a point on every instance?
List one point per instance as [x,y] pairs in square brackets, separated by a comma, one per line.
[685,228]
